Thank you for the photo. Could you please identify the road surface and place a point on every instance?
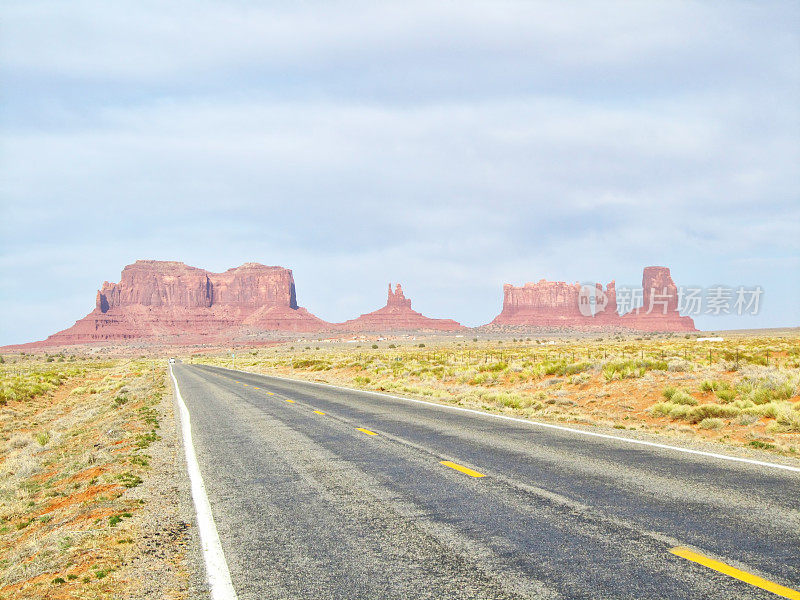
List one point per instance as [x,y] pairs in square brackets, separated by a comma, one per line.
[322,492]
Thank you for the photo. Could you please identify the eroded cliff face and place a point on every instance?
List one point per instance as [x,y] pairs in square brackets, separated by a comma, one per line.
[560,304]
[659,310]
[165,299]
[541,304]
[397,315]
[174,284]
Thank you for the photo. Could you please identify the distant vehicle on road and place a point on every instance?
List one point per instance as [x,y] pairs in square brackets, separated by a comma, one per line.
[172,361]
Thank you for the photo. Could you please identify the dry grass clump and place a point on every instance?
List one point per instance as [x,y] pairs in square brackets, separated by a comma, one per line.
[711,423]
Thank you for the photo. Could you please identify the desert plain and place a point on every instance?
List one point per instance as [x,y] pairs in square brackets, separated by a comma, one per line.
[91,503]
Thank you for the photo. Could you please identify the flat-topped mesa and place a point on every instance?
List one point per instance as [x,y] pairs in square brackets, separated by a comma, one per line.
[168,299]
[174,284]
[560,304]
[554,304]
[397,315]
[659,310]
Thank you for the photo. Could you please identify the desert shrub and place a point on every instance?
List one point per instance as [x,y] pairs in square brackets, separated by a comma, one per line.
[621,370]
[669,392]
[19,441]
[787,417]
[480,379]
[726,395]
[535,371]
[575,368]
[668,409]
[704,411]
[748,419]
[579,379]
[761,445]
[144,440]
[761,395]
[682,397]
[26,386]
[714,386]
[661,409]
[679,365]
[507,399]
[129,480]
[691,411]
[628,369]
[712,423]
[766,384]
[653,365]
[785,413]
[679,411]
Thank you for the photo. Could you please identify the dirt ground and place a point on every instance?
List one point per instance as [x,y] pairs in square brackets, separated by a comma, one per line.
[90,499]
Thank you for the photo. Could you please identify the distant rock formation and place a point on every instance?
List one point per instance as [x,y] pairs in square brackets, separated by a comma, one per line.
[556,304]
[170,302]
[659,310]
[165,300]
[541,304]
[397,315]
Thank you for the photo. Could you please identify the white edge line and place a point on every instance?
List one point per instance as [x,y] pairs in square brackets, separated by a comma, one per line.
[219,577]
[539,423]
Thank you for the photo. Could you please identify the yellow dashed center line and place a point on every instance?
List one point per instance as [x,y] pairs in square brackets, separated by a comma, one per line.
[292,401]
[367,431]
[270,394]
[461,468]
[319,412]
[753,580]
[255,387]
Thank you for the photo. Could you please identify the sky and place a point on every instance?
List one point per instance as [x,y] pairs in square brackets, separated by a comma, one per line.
[449,146]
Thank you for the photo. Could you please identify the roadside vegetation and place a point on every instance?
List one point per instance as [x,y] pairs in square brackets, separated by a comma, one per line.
[76,433]
[744,390]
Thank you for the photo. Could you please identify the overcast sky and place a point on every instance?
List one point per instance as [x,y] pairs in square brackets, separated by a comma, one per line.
[450,146]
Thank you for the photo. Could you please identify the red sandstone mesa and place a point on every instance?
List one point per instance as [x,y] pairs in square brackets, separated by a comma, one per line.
[542,304]
[164,300]
[559,304]
[397,315]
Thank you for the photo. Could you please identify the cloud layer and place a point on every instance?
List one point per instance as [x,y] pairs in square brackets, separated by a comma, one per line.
[452,147]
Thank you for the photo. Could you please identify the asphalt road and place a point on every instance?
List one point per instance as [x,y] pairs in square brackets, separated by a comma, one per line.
[313,505]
